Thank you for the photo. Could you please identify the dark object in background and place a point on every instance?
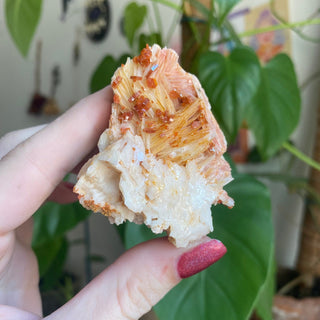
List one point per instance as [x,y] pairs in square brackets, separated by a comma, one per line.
[97,23]
[38,101]
[65,4]
[41,104]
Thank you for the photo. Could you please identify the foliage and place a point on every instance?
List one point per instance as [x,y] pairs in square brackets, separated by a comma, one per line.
[231,83]
[274,112]
[105,71]
[22,18]
[51,222]
[134,15]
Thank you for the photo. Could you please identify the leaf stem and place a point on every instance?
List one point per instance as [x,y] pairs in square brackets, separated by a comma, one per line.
[157,16]
[172,28]
[280,27]
[170,4]
[88,270]
[233,34]
[312,163]
[297,31]
[313,77]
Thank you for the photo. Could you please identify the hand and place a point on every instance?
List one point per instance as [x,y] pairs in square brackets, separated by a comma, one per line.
[29,173]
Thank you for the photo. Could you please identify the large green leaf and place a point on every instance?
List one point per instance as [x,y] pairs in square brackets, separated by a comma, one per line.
[134,15]
[52,220]
[102,75]
[228,289]
[264,302]
[230,83]
[54,272]
[274,112]
[47,252]
[22,18]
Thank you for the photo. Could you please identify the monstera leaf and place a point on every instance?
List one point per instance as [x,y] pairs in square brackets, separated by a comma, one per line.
[230,288]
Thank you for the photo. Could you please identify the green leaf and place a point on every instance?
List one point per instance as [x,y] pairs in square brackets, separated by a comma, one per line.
[149,39]
[230,83]
[134,15]
[22,18]
[225,7]
[53,220]
[46,253]
[265,298]
[228,289]
[102,75]
[134,234]
[274,112]
[55,270]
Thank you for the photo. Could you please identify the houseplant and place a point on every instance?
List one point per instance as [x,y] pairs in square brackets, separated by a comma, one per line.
[243,280]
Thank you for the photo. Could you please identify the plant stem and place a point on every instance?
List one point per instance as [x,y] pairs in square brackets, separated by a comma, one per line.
[297,31]
[171,29]
[88,271]
[157,16]
[312,163]
[313,77]
[233,34]
[170,4]
[280,27]
[302,279]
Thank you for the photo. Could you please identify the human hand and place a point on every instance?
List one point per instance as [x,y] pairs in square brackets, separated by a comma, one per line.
[29,173]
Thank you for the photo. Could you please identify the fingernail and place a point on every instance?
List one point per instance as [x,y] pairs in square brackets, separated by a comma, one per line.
[68,185]
[200,258]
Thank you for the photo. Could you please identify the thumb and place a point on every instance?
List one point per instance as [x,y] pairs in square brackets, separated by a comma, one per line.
[138,280]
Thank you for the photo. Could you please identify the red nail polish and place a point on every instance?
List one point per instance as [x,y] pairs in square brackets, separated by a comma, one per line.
[200,258]
[68,185]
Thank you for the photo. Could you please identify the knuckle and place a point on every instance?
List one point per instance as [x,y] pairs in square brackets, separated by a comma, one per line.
[133,298]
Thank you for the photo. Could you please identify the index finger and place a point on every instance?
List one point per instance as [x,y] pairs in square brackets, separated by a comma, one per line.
[31,171]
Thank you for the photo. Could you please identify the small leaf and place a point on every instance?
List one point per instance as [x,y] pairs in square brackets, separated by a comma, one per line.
[22,18]
[102,75]
[228,289]
[53,220]
[230,83]
[274,112]
[134,15]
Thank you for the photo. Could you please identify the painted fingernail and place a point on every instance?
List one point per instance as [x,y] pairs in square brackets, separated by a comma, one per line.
[200,258]
[68,185]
